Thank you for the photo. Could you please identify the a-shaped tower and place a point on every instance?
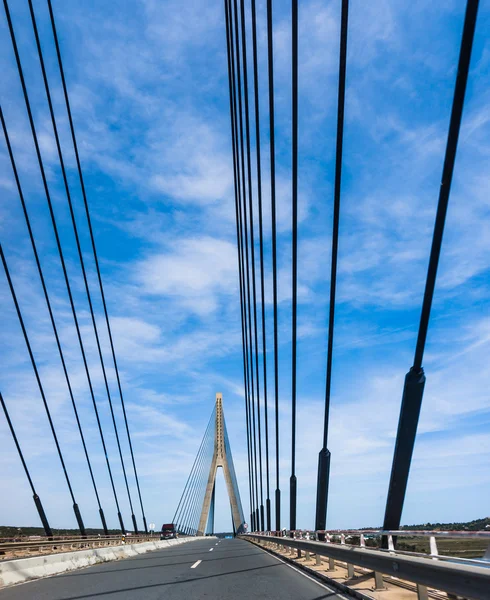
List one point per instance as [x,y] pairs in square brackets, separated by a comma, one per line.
[221,458]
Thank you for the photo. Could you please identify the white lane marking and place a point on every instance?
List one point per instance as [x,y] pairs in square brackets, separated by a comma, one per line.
[216,543]
[211,549]
[196,564]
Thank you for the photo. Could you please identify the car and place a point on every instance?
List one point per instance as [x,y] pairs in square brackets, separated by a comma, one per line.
[168,532]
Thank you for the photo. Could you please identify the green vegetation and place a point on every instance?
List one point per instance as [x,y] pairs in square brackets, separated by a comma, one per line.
[464,548]
[476,525]
[461,547]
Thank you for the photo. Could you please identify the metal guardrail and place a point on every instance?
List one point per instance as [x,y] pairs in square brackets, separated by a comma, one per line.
[365,534]
[485,535]
[469,581]
[433,535]
[395,533]
[70,543]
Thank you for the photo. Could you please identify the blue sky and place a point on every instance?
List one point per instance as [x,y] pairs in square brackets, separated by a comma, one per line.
[149,92]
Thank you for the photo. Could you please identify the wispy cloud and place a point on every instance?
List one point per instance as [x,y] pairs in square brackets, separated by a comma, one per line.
[149,91]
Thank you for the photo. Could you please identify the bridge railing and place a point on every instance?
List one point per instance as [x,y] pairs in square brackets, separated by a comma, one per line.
[439,535]
[40,538]
[448,574]
[14,549]
[360,537]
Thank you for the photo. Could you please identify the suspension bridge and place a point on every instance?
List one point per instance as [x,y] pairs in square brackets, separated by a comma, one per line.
[268,539]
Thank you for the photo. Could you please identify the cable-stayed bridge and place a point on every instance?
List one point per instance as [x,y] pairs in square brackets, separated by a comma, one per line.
[195,511]
[196,563]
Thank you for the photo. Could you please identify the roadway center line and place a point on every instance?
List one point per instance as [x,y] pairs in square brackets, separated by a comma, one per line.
[196,564]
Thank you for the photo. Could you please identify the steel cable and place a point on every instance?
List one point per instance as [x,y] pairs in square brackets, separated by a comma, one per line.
[232,92]
[292,481]
[76,509]
[447,175]
[51,316]
[324,456]
[257,432]
[413,390]
[201,484]
[203,462]
[270,64]
[60,250]
[231,464]
[200,488]
[96,259]
[261,241]
[37,500]
[252,306]
[80,255]
[241,182]
[247,268]
[186,507]
[174,520]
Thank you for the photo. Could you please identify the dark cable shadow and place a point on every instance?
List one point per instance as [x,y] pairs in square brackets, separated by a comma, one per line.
[119,566]
[156,585]
[160,554]
[152,552]
[360,578]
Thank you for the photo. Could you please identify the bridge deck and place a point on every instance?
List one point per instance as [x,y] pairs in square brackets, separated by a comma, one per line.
[230,569]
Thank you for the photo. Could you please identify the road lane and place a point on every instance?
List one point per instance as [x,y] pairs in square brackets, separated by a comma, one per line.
[235,570]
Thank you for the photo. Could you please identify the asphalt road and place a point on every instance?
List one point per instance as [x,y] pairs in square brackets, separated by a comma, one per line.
[228,570]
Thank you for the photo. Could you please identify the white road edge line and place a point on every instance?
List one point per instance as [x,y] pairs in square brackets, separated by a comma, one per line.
[320,583]
[196,564]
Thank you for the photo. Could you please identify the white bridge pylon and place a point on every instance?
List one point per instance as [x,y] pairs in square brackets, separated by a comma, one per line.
[221,458]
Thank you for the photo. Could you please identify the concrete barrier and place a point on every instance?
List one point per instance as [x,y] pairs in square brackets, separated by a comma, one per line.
[20,570]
